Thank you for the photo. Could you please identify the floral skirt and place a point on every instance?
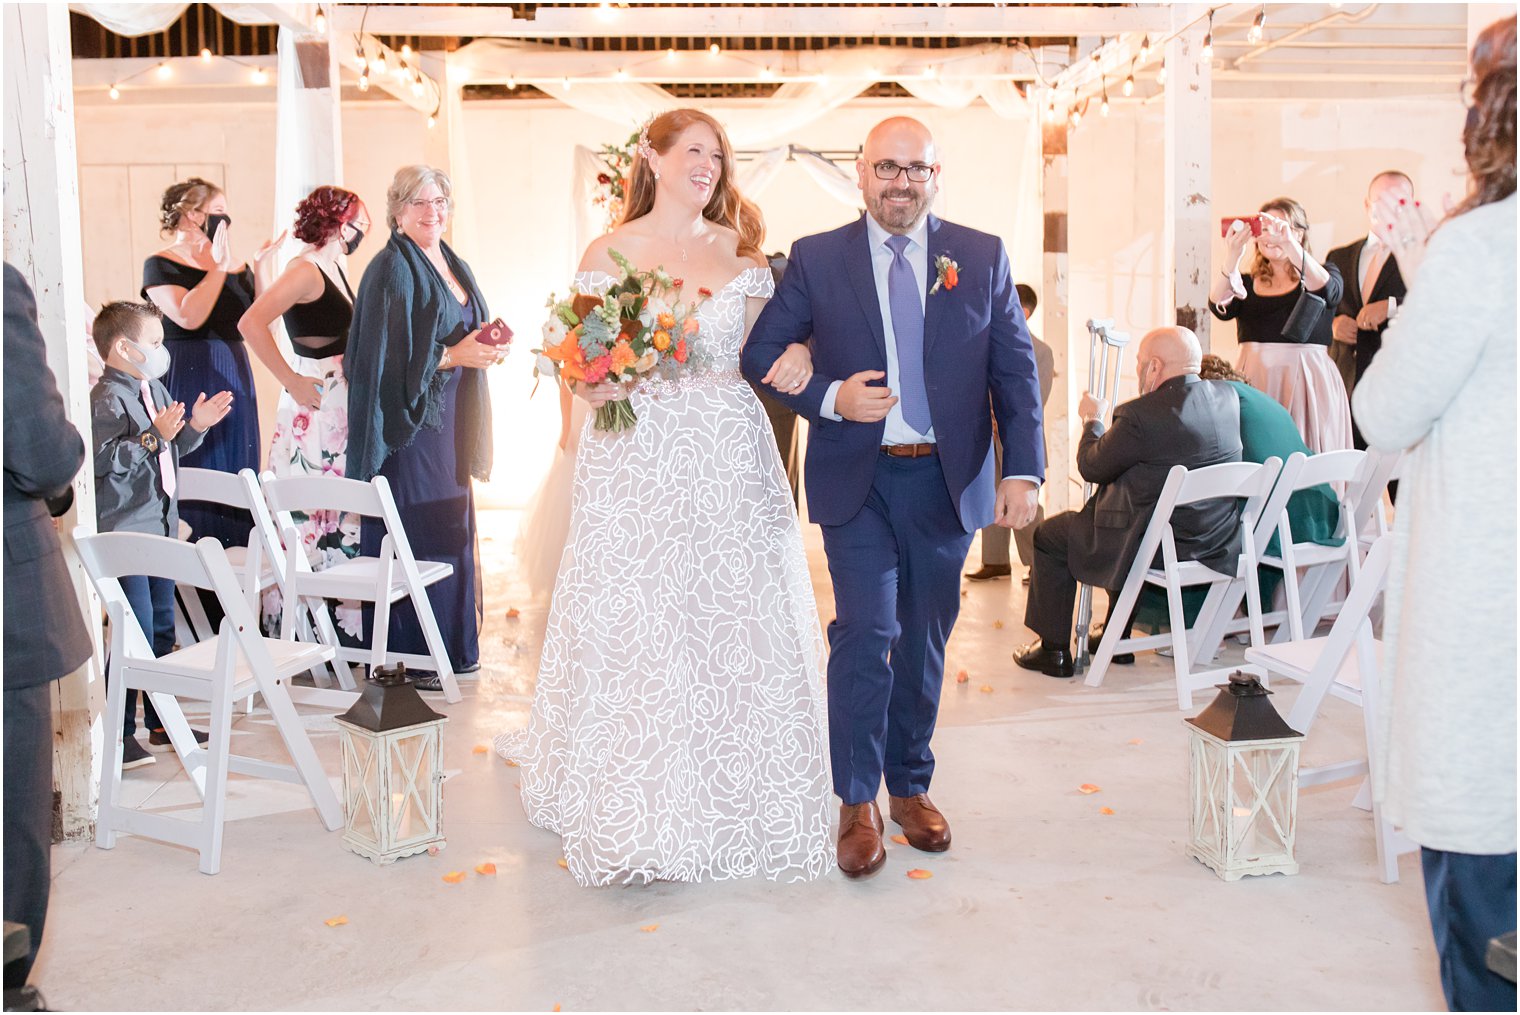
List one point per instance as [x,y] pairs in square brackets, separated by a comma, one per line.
[314,442]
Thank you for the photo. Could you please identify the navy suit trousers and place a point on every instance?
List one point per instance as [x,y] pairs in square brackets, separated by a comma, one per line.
[896,573]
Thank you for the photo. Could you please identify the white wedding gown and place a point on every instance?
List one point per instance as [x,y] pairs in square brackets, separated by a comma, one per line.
[678,731]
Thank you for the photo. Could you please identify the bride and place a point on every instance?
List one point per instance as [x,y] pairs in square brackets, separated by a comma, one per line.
[678,729]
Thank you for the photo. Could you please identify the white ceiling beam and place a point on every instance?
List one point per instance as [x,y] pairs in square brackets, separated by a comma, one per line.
[741,20]
[298,17]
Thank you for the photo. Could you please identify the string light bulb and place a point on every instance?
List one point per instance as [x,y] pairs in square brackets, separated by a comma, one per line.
[1161,73]
[432,121]
[715,49]
[1050,109]
[205,55]
[1208,39]
[766,73]
[1128,88]
[377,64]
[364,80]
[406,51]
[931,71]
[320,22]
[1103,106]
[114,93]
[360,60]
[260,75]
[1145,49]
[511,84]
[165,71]
[1258,26]
[621,74]
[1074,117]
[417,88]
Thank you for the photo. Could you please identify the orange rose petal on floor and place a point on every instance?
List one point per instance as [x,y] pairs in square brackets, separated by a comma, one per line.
[556,1008]
[514,613]
[453,877]
[1105,810]
[563,863]
[963,592]
[336,921]
[986,688]
[1088,788]
[509,763]
[650,929]
[485,868]
[481,749]
[432,851]
[901,840]
[1137,740]
[997,625]
[919,874]
[962,677]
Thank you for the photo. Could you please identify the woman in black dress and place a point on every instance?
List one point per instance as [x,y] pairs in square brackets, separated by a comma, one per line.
[202,295]
[1292,364]
[418,409]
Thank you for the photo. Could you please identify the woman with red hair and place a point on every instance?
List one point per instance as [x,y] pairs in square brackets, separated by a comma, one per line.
[314,300]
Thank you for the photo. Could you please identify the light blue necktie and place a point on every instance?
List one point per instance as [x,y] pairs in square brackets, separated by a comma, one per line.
[908,329]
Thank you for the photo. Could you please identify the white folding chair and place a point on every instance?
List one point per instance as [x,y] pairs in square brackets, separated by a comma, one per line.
[1344,663]
[1299,472]
[1233,480]
[384,580]
[1365,496]
[231,664]
[252,565]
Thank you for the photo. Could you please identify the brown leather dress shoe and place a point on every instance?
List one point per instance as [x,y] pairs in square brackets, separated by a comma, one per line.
[860,850]
[922,823]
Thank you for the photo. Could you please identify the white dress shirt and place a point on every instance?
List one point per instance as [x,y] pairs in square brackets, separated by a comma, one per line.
[917,253]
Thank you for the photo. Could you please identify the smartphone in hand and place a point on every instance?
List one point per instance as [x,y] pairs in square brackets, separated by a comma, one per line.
[496,333]
[1254,221]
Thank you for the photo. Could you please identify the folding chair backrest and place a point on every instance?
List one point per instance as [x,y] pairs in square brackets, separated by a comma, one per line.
[110,556]
[1366,492]
[1230,479]
[213,487]
[322,493]
[1329,467]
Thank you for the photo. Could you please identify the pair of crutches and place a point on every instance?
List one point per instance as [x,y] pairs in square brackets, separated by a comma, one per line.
[1105,364]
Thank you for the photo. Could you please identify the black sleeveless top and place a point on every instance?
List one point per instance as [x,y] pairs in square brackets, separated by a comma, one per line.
[235,298]
[320,328]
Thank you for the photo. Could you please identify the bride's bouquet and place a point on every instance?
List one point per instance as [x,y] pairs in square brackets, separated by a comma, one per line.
[639,329]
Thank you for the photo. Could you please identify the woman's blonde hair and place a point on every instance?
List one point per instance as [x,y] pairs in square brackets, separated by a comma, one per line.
[726,206]
[405,186]
[1298,219]
[182,198]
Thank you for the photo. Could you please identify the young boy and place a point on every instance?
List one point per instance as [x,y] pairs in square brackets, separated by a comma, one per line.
[139,434]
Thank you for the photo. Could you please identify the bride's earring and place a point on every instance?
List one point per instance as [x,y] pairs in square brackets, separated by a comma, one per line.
[656,174]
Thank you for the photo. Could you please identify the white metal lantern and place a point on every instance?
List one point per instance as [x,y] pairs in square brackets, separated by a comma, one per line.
[392,770]
[1243,768]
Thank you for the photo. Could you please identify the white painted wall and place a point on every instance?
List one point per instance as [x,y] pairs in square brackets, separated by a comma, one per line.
[1321,152]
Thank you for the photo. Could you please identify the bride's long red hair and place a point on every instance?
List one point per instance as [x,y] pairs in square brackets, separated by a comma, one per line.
[726,206]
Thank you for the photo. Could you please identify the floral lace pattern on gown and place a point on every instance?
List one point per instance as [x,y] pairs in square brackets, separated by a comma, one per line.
[678,730]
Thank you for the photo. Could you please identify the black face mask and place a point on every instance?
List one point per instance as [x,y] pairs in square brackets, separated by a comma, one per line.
[352,244]
[213,222]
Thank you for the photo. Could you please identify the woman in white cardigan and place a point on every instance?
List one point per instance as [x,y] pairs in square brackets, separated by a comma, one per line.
[1443,386]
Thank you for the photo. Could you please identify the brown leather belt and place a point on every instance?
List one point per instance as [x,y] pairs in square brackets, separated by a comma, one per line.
[908,450]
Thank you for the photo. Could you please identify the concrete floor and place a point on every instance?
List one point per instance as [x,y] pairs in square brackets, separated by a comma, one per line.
[1043,903]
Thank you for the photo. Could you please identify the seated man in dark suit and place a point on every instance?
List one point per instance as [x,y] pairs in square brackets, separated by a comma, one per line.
[1178,419]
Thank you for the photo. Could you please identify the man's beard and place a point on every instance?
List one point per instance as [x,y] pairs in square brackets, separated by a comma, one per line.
[904,217]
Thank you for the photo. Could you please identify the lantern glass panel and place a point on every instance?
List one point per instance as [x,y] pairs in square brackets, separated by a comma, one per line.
[411,786]
[1260,802]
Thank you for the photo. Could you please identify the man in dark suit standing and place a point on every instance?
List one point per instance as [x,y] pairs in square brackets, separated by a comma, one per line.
[1179,419]
[45,636]
[915,326]
[1372,280]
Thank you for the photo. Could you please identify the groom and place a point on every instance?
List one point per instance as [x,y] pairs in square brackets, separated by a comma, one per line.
[914,324]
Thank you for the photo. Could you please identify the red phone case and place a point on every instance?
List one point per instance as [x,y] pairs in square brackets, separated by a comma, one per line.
[1254,221]
[496,333]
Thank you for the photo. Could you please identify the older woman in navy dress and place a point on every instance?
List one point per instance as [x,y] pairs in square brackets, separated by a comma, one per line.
[418,411]
[203,295]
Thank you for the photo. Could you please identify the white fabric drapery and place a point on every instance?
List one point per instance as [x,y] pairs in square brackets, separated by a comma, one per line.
[145,19]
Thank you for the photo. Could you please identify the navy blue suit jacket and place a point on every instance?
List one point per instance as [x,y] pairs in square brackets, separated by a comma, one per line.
[976,349]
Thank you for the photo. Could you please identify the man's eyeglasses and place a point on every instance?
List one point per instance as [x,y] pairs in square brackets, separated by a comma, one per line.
[440,204]
[917,172]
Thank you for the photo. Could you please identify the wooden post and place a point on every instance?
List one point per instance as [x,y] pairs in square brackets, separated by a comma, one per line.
[1067,387]
[1186,216]
[42,239]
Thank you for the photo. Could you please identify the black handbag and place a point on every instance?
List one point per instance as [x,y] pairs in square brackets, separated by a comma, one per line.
[1306,312]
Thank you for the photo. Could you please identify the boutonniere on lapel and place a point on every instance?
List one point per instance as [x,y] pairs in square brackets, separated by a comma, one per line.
[947,274]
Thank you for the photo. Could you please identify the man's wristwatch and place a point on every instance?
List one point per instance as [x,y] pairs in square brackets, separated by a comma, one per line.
[149,440]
